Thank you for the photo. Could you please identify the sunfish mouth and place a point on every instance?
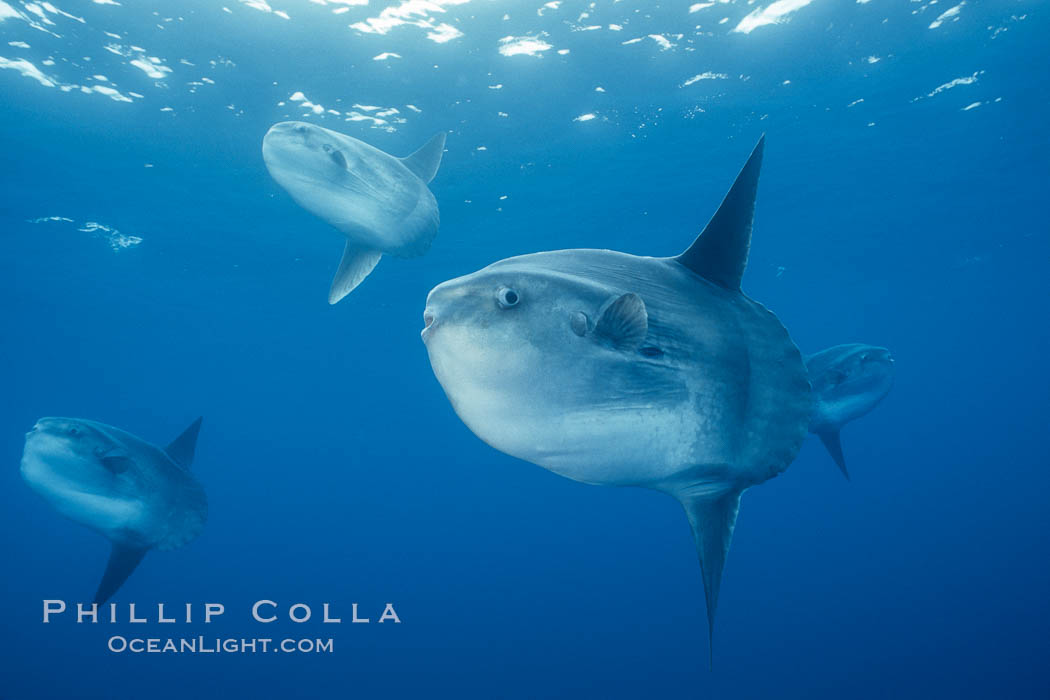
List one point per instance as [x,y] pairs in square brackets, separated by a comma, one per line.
[40,429]
[878,354]
[428,323]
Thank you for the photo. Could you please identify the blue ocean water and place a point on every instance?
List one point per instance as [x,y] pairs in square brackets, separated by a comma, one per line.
[153,272]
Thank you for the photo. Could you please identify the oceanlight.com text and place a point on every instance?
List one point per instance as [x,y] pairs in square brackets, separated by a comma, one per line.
[217,645]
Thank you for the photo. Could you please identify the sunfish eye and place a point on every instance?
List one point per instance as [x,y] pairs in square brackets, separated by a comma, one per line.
[507,297]
[74,431]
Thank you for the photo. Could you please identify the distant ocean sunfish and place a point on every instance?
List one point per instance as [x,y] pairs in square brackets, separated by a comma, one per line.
[848,382]
[609,368]
[380,203]
[138,496]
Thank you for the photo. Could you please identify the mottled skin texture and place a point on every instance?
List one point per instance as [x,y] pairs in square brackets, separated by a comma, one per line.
[141,500]
[368,195]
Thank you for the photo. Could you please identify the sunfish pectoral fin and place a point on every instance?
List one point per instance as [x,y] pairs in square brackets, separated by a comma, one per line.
[424,162]
[182,448]
[117,463]
[623,322]
[719,253]
[122,561]
[833,441]
[353,268]
[712,517]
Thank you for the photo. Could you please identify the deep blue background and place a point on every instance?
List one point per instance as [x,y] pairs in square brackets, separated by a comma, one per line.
[337,472]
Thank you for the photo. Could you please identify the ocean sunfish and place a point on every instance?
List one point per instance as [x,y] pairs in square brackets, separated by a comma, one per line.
[138,496]
[848,381]
[380,203]
[609,368]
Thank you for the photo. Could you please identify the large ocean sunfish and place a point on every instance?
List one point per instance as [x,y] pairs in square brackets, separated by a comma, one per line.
[138,496]
[380,203]
[615,369]
[848,382]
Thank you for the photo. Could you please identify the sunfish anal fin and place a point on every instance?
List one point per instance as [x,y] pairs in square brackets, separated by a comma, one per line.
[833,441]
[122,561]
[356,264]
[182,448]
[719,253]
[424,162]
[712,517]
[623,322]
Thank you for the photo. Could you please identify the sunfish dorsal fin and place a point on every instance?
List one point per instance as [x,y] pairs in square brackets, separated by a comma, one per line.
[833,441]
[424,162]
[719,253]
[182,448]
[356,264]
[122,561]
[712,518]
